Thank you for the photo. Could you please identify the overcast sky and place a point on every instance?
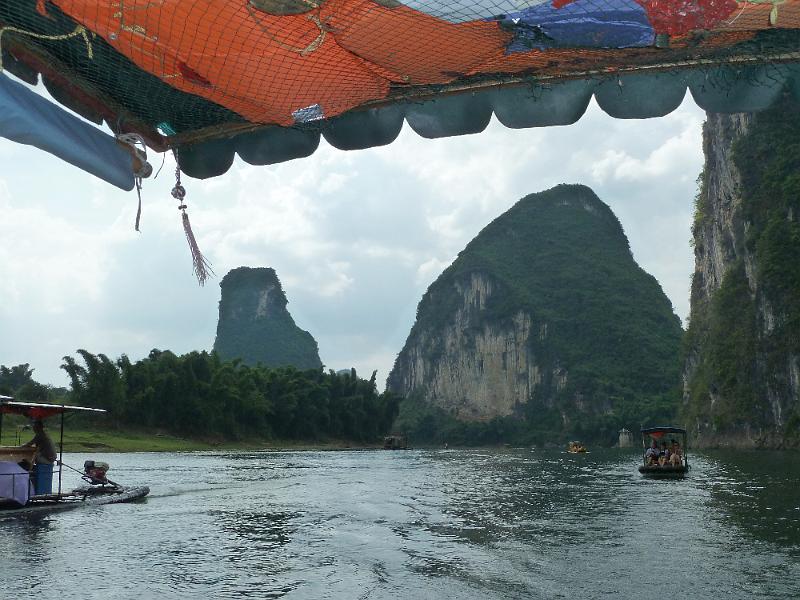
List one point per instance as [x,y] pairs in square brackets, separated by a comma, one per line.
[355,237]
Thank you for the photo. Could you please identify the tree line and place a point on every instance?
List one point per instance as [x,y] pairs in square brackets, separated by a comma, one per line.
[200,395]
[17,381]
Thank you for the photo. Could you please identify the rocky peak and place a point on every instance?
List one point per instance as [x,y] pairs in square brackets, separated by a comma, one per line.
[742,349]
[538,313]
[255,325]
[719,234]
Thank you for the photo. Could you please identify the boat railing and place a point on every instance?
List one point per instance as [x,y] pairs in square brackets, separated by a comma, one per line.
[17,454]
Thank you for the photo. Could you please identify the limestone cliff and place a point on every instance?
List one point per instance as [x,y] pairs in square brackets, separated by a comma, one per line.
[255,326]
[742,349]
[544,319]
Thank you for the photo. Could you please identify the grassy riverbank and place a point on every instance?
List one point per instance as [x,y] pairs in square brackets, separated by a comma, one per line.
[82,439]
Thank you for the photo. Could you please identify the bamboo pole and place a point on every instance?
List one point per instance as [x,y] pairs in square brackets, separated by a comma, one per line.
[61,451]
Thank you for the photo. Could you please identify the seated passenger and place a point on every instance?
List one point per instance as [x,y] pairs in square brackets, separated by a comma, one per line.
[651,455]
[676,457]
[663,456]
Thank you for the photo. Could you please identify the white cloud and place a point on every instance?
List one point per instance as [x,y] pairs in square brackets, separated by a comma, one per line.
[676,156]
[428,271]
[605,166]
[49,263]
[335,182]
[337,281]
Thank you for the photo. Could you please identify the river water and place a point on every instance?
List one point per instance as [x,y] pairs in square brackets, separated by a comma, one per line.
[416,524]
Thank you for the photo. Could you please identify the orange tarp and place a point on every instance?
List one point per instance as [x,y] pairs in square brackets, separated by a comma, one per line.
[260,66]
[347,52]
[419,48]
[265,67]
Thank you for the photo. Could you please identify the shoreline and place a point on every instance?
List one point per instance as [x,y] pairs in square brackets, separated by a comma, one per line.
[86,440]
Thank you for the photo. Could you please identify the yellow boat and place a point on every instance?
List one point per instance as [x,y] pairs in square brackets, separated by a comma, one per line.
[576,448]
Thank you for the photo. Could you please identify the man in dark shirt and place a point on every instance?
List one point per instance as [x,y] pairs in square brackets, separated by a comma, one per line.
[45,450]
[45,457]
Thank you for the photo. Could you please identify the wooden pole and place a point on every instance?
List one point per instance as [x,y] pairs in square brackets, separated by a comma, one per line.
[644,451]
[60,451]
[685,451]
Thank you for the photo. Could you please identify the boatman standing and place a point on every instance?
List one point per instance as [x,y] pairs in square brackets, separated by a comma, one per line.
[45,457]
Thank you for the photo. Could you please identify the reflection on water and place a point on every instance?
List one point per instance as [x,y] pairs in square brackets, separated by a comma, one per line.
[760,493]
[420,524]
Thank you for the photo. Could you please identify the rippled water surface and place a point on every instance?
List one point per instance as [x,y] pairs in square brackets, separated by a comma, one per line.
[419,524]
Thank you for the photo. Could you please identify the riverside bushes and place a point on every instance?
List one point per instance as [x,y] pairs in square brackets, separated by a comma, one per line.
[199,395]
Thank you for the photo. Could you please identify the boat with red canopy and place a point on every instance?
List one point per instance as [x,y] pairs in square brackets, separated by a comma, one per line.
[664,457]
[27,473]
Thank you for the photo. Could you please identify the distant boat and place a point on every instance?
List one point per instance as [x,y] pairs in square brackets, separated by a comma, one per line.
[662,459]
[25,487]
[396,441]
[577,448]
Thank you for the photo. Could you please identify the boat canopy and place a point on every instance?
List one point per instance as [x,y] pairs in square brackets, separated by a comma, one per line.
[34,410]
[658,432]
[664,430]
[265,79]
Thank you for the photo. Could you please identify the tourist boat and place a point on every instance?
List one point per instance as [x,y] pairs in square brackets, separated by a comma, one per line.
[395,441]
[666,435]
[576,448]
[19,480]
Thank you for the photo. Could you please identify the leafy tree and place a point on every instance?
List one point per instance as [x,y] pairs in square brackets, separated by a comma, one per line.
[13,378]
[198,394]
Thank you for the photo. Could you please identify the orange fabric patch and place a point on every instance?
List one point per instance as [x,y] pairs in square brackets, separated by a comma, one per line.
[418,48]
[258,65]
[345,53]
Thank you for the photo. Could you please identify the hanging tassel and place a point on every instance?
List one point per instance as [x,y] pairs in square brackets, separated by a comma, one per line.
[200,265]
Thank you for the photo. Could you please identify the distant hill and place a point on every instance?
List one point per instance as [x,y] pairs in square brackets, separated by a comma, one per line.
[255,325]
[543,326]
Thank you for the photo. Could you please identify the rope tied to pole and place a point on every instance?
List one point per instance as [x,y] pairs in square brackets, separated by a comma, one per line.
[134,140]
[313,46]
[80,31]
[773,14]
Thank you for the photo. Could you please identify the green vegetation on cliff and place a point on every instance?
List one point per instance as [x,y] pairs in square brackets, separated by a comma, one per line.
[255,326]
[744,338]
[561,257]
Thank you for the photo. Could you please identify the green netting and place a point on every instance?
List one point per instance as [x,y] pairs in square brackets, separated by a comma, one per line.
[128,88]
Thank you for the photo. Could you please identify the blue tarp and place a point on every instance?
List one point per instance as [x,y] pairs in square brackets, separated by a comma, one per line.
[458,11]
[28,118]
[614,24]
